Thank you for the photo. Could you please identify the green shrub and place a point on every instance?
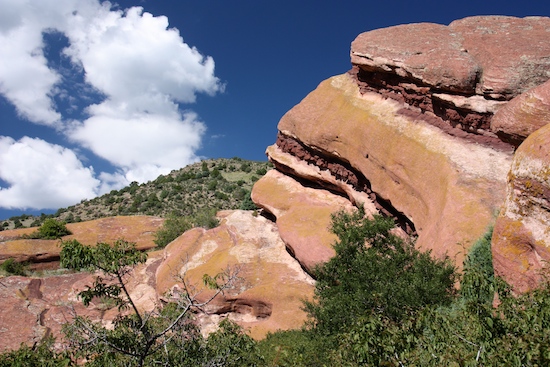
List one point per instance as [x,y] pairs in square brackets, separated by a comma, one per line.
[247,203]
[171,229]
[39,355]
[13,267]
[374,272]
[52,229]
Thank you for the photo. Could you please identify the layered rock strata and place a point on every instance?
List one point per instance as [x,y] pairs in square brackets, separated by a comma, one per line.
[447,188]
[462,73]
[423,128]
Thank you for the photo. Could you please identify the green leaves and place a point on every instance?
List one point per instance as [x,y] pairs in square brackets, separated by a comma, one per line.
[374,272]
[111,259]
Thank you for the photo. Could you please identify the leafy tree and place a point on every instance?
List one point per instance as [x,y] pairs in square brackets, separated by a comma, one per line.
[375,272]
[166,336]
[39,355]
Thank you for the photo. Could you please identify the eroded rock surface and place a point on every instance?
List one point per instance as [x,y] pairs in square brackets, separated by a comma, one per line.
[448,188]
[463,73]
[521,239]
[269,295]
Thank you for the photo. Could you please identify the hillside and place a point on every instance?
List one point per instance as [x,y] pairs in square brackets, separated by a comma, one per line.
[213,183]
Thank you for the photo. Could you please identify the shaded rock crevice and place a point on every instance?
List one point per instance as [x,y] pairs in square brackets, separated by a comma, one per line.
[341,171]
[458,114]
[255,308]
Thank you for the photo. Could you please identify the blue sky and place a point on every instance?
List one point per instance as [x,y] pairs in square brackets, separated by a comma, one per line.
[94,96]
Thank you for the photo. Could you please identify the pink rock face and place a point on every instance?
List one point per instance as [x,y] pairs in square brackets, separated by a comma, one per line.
[495,56]
[458,76]
[429,53]
[269,295]
[303,216]
[523,115]
[34,308]
[448,188]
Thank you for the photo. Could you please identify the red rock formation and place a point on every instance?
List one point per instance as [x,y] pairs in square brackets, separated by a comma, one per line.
[458,72]
[523,115]
[267,298]
[521,238]
[422,127]
[446,187]
[273,284]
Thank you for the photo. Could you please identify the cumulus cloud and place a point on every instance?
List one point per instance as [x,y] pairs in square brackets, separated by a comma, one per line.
[140,66]
[145,146]
[42,175]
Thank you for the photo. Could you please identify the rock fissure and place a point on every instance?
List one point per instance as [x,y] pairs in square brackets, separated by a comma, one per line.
[344,172]
[461,115]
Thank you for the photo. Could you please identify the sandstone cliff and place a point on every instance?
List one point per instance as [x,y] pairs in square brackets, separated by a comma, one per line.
[410,133]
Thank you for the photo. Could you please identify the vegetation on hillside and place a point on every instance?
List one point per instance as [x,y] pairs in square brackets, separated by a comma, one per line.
[214,184]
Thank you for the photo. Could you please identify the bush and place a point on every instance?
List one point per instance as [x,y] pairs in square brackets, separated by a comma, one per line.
[39,355]
[247,203]
[52,229]
[376,273]
[13,267]
[172,228]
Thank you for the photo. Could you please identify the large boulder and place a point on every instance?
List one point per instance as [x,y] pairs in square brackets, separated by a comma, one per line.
[463,73]
[268,296]
[445,188]
[493,56]
[523,115]
[521,238]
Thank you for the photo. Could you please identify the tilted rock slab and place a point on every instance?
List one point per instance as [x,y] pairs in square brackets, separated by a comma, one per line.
[45,253]
[523,115]
[269,295]
[521,238]
[449,188]
[303,213]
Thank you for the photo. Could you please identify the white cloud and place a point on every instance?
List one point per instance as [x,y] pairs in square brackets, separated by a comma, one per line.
[42,175]
[145,146]
[25,79]
[142,68]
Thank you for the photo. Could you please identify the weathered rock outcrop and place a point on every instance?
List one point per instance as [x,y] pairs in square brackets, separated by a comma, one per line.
[267,298]
[521,239]
[44,254]
[444,188]
[412,130]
